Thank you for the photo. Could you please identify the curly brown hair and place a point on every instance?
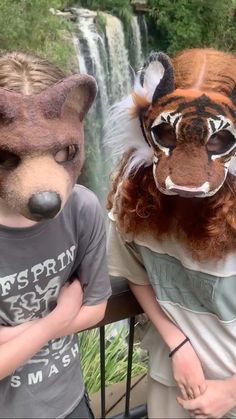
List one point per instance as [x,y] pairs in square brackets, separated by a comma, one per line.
[206,226]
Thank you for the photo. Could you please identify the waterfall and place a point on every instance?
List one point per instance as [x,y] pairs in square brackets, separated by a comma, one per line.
[104,52]
[135,43]
[119,79]
[91,50]
[144,31]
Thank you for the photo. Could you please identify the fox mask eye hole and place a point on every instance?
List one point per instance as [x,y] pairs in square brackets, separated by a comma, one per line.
[164,135]
[67,153]
[220,142]
[8,160]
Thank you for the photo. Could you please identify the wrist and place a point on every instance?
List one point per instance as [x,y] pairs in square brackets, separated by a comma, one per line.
[175,339]
[52,324]
[178,347]
[57,323]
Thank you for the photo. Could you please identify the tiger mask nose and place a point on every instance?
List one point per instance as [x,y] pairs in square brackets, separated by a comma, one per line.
[44,205]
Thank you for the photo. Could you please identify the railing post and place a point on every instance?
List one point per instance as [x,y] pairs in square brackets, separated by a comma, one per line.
[129,366]
[102,371]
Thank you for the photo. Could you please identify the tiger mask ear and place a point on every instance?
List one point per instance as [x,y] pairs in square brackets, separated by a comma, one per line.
[157,76]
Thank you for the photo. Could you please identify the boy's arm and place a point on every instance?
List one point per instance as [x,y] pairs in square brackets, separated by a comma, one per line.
[22,347]
[10,332]
[87,317]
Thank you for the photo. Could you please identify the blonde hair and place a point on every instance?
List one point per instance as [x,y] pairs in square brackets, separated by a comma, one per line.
[27,74]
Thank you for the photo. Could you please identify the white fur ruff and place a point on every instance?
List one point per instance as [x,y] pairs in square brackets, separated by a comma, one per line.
[123,133]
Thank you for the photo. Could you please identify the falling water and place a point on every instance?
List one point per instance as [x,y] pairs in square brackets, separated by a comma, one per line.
[102,52]
[91,49]
[119,79]
[135,43]
[144,31]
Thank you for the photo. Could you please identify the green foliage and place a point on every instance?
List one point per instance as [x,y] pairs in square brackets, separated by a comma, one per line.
[115,359]
[30,26]
[119,8]
[178,24]
[101,21]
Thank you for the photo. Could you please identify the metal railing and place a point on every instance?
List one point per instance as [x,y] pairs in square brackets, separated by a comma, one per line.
[121,305]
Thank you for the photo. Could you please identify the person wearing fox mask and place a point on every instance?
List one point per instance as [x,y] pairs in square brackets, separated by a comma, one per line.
[173,226]
[54,279]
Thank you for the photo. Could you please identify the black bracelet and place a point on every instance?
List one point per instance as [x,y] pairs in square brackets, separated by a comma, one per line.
[178,347]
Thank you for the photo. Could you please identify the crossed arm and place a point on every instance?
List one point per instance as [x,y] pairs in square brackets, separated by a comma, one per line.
[18,344]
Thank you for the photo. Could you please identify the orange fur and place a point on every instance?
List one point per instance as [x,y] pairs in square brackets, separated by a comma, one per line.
[139,103]
[194,93]
[206,70]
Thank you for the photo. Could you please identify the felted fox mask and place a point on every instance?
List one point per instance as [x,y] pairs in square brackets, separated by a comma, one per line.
[42,146]
[187,111]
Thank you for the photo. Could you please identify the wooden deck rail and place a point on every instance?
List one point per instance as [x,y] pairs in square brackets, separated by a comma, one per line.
[122,303]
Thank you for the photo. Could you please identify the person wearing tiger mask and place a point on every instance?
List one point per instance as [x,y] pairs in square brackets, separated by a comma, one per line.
[173,226]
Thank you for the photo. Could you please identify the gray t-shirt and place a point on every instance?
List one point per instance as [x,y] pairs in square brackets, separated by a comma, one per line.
[34,264]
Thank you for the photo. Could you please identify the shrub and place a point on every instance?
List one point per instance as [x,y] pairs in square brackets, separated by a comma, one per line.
[115,359]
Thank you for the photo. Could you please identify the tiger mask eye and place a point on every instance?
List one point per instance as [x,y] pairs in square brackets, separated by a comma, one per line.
[164,135]
[221,142]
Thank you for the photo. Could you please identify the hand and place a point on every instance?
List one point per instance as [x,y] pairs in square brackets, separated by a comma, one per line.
[217,400]
[187,372]
[68,306]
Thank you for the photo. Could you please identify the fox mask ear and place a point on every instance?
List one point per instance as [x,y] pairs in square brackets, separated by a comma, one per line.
[74,94]
[157,76]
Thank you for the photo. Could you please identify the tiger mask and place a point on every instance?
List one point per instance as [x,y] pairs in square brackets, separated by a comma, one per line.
[187,111]
[190,122]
